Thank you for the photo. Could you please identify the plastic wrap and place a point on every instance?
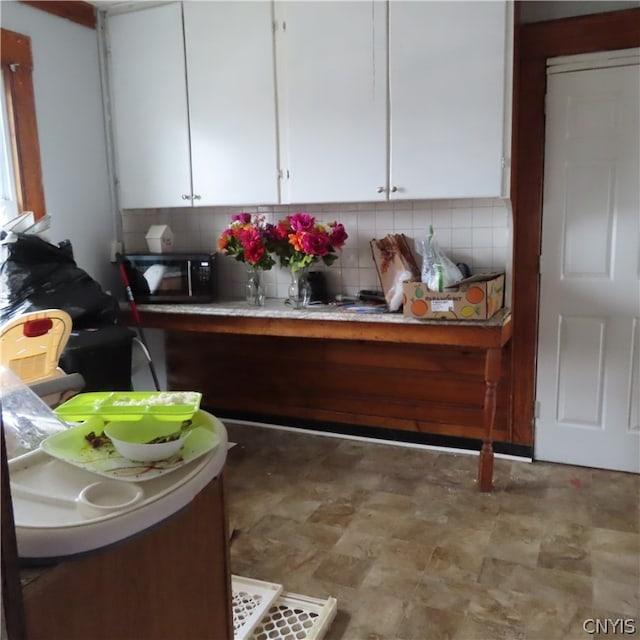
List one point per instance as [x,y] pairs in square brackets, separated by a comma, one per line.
[438,271]
[26,419]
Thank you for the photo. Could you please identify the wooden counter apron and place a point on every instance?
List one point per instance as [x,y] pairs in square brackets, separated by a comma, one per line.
[489,336]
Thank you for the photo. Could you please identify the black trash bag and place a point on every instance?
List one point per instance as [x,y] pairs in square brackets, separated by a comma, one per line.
[36,275]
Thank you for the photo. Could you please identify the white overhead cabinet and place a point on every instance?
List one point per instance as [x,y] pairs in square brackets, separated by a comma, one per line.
[332,89]
[232,102]
[261,102]
[149,108]
[449,96]
[393,100]
[194,110]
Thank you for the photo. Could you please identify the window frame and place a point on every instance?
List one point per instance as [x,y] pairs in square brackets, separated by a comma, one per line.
[17,71]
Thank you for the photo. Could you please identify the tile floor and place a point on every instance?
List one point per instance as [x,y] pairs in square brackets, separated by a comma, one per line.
[412,551]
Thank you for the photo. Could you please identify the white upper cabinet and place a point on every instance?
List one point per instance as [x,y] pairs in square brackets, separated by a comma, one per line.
[232,102]
[199,129]
[332,90]
[449,96]
[149,107]
[309,101]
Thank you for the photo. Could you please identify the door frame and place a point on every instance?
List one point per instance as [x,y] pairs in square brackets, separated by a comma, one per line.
[534,44]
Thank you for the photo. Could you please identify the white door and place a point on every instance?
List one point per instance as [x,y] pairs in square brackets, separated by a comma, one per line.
[448,64]
[588,379]
[232,102]
[332,91]
[149,106]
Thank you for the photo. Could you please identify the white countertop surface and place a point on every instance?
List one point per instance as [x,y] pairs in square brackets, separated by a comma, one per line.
[276,308]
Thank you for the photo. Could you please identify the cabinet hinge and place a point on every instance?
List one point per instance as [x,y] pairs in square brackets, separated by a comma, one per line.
[536,409]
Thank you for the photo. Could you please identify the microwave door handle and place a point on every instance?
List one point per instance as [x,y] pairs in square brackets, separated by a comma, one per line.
[189,287]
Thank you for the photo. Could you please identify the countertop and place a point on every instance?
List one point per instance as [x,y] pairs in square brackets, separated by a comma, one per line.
[276,308]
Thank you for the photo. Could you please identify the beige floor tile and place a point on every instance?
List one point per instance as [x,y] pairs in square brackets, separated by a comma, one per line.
[411,550]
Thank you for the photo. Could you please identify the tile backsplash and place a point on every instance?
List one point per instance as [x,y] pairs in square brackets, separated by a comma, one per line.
[477,232]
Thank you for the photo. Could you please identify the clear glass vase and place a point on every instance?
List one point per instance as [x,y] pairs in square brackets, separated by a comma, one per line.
[299,288]
[254,287]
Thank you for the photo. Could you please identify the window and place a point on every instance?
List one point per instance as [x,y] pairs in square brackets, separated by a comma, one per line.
[21,168]
[8,194]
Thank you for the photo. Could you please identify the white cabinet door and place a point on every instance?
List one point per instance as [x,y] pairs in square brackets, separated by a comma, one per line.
[232,102]
[447,97]
[331,65]
[149,107]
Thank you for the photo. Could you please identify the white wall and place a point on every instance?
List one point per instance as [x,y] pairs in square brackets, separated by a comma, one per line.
[71,130]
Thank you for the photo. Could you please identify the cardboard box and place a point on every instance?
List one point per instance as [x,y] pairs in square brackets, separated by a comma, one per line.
[475,298]
[159,238]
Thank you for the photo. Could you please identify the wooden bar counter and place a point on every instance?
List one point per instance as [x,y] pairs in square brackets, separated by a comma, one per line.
[326,363]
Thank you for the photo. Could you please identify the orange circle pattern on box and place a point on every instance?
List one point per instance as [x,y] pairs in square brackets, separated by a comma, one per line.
[475,295]
[419,307]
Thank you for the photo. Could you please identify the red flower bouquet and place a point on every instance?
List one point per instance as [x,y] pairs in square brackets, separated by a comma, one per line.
[248,239]
[299,241]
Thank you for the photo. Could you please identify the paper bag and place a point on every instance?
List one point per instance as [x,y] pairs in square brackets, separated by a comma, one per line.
[395,263]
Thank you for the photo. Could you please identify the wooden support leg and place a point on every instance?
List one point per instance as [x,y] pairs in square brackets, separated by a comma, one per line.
[491,376]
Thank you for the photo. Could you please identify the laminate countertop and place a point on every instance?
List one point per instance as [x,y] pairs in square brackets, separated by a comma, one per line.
[276,308]
[321,322]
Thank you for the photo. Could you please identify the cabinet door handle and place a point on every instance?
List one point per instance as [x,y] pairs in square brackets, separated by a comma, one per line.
[186,196]
[380,189]
[394,189]
[197,197]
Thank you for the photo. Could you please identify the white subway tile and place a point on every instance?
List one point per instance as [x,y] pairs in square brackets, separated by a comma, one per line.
[461,217]
[500,237]
[482,237]
[500,258]
[351,277]
[461,237]
[482,217]
[475,231]
[500,215]
[349,258]
[403,219]
[482,258]
[441,218]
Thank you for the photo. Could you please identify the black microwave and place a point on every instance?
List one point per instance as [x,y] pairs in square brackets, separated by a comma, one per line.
[171,277]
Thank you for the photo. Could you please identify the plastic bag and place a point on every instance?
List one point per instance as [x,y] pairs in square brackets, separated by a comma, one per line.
[35,275]
[438,271]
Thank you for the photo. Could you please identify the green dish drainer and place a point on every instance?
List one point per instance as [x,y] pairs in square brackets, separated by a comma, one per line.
[175,406]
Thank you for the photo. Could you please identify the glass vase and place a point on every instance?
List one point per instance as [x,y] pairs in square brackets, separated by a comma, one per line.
[254,287]
[299,288]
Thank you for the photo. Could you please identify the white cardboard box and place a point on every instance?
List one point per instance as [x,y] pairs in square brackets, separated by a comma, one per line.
[159,238]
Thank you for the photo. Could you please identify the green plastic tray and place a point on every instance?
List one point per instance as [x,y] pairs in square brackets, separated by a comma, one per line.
[131,405]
